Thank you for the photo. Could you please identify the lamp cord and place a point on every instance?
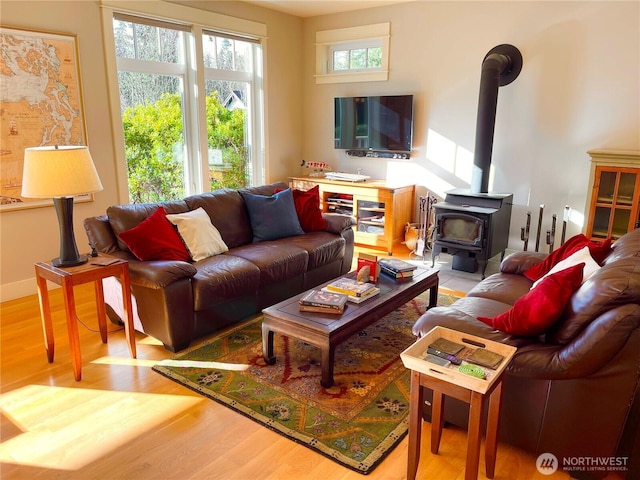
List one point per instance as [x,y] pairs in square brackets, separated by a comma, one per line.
[94,330]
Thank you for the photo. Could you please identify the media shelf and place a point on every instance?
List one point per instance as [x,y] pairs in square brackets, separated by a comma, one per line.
[381,209]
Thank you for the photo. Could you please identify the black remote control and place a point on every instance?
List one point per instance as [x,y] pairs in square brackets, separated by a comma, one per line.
[452,358]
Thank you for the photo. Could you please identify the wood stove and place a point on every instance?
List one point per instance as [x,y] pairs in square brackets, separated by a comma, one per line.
[473,225]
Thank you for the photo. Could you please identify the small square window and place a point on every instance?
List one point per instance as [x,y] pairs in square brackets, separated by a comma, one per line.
[358,59]
[341,60]
[353,54]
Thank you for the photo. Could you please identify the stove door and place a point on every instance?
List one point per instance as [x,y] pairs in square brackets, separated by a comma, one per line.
[459,229]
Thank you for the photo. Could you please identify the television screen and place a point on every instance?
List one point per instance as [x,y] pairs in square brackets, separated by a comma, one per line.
[383,123]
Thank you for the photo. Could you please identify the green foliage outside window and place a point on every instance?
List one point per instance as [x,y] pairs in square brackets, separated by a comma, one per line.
[225,131]
[154,146]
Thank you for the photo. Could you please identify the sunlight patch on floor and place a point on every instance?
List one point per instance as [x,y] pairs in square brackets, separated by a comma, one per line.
[133,362]
[68,428]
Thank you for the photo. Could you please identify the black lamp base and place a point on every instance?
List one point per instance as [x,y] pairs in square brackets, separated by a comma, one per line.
[62,263]
[69,256]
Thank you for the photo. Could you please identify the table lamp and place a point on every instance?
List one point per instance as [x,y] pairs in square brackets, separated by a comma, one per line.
[60,173]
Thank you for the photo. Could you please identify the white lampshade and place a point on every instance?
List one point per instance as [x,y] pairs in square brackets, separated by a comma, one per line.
[59,171]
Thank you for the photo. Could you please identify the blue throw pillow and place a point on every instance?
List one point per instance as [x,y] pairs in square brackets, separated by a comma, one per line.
[272,217]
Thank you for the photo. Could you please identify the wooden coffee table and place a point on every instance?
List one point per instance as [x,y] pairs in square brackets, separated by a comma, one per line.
[326,331]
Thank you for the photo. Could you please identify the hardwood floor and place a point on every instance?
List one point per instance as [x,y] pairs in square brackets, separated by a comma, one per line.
[124,421]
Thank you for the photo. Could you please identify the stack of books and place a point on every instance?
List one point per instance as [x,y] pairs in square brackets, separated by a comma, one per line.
[356,291]
[349,286]
[372,292]
[323,302]
[396,268]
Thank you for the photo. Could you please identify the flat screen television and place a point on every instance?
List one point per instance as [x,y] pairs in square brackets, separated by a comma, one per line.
[382,123]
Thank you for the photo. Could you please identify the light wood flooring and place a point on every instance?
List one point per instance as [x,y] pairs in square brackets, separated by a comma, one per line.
[124,421]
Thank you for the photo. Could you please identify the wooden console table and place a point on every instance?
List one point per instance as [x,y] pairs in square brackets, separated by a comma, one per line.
[67,278]
[382,210]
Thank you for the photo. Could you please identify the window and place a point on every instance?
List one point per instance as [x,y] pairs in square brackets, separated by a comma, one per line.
[176,142]
[354,54]
[228,65]
[153,90]
[357,56]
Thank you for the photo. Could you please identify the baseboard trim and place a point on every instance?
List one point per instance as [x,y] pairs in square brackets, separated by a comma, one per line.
[22,288]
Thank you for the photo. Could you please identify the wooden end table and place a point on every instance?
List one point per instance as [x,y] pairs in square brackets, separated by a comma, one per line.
[69,277]
[474,434]
[448,381]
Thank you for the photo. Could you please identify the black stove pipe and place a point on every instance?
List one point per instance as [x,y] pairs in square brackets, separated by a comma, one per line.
[500,66]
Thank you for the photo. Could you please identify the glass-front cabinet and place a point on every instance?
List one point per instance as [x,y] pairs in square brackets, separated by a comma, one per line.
[615,199]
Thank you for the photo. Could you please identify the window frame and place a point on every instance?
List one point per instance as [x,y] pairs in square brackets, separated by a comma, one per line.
[197,22]
[351,38]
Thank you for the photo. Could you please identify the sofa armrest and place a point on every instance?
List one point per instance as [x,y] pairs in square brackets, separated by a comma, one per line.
[520,262]
[589,351]
[158,274]
[100,234]
[337,223]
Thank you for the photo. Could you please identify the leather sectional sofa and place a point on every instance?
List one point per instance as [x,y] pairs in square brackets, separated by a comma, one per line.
[572,390]
[177,301]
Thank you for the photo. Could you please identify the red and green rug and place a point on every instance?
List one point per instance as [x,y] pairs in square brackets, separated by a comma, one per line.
[357,422]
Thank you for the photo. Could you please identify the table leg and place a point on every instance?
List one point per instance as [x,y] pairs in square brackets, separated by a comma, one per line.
[102,315]
[267,344]
[433,296]
[128,310]
[437,408]
[45,311]
[327,357]
[473,436]
[491,444]
[72,328]
[415,425]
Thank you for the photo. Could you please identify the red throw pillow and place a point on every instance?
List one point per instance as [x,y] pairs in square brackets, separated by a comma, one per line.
[155,238]
[536,311]
[598,252]
[307,205]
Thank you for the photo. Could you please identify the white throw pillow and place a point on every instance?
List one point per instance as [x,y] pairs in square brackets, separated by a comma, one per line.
[200,236]
[581,256]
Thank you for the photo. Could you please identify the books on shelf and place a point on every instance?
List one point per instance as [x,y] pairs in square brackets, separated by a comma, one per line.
[349,286]
[321,301]
[353,299]
[396,265]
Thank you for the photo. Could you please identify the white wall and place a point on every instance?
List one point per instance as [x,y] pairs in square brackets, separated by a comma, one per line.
[579,89]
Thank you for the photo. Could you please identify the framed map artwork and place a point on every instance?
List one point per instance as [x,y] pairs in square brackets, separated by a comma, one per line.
[40,104]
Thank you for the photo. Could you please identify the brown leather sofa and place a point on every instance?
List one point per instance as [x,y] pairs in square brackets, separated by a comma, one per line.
[573,391]
[178,301]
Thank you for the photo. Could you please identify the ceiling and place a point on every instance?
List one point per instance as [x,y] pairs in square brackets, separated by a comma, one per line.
[312,8]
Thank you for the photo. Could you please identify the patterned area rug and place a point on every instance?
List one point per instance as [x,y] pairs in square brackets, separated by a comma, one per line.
[357,422]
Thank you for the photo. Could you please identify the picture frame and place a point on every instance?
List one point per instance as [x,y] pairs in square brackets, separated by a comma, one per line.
[41,104]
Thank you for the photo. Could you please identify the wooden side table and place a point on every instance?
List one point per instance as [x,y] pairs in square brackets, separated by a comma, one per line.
[474,433]
[449,381]
[69,277]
